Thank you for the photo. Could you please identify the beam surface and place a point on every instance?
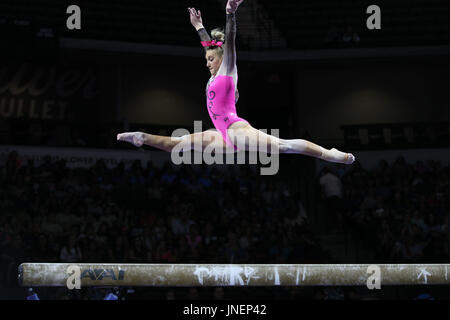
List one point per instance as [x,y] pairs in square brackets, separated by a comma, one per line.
[187,275]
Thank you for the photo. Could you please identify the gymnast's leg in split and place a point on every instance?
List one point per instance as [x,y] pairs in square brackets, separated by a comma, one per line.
[255,138]
[196,141]
[252,140]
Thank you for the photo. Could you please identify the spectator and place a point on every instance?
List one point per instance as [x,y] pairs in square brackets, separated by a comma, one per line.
[193,238]
[350,37]
[332,192]
[42,251]
[71,252]
[138,252]
[193,294]
[219,294]
[164,253]
[332,38]
[170,295]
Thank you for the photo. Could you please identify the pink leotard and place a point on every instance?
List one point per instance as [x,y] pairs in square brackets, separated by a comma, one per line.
[220,99]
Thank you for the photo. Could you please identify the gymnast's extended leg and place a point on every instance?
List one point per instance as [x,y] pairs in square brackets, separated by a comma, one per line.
[253,138]
[209,138]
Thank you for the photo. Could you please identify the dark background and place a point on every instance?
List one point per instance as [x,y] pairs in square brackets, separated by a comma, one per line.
[70,192]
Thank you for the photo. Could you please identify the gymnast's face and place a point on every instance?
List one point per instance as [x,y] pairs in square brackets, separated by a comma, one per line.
[213,61]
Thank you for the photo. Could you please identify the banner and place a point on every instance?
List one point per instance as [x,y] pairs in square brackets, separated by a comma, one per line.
[48,92]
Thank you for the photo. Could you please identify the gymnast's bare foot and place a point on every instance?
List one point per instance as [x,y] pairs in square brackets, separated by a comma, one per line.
[136,138]
[334,155]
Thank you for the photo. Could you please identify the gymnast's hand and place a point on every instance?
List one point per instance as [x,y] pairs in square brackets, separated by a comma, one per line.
[196,18]
[136,138]
[232,5]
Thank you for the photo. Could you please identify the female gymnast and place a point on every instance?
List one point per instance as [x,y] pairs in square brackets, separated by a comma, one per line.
[222,94]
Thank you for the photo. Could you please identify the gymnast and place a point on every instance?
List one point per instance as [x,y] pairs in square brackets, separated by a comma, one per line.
[221,98]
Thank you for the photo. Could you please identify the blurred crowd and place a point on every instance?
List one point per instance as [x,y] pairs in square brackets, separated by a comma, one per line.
[145,214]
[202,214]
[400,211]
[342,38]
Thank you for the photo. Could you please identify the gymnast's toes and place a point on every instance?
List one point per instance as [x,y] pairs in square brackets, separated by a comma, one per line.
[136,138]
[350,158]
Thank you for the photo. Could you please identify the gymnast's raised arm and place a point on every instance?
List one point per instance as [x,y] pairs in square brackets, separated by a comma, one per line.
[197,23]
[228,66]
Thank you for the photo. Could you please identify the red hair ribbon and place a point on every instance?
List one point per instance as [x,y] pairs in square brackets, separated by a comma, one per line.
[211,43]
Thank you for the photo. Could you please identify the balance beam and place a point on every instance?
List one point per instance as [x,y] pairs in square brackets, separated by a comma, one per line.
[191,275]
